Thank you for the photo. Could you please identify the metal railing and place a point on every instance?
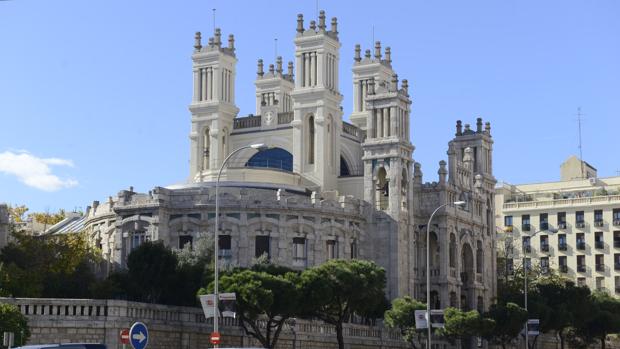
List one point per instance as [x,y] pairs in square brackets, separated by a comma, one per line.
[247,122]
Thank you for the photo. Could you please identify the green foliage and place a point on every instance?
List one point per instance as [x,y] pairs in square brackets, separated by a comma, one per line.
[261,296]
[11,320]
[402,316]
[601,319]
[509,320]
[464,325]
[335,290]
[54,266]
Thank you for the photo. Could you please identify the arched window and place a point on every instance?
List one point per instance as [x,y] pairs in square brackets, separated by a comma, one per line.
[311,140]
[273,158]
[344,167]
[479,258]
[452,251]
[382,190]
[206,144]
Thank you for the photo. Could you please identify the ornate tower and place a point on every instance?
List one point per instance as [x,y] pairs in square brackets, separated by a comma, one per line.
[388,169]
[273,93]
[213,104]
[317,120]
[367,71]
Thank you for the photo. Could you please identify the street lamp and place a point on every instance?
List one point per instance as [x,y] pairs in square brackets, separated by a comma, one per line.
[428,267]
[259,147]
[551,231]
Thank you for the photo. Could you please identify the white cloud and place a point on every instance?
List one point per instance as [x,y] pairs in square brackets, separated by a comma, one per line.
[34,171]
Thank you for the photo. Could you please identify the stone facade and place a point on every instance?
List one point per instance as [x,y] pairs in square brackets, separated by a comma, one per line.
[327,188]
[100,321]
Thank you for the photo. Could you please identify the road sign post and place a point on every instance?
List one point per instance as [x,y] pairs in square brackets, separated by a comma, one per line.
[138,335]
[215,338]
[124,337]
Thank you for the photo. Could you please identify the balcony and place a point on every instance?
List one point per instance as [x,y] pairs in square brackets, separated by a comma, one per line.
[544,247]
[562,246]
[525,227]
[580,225]
[563,268]
[572,202]
[600,267]
[562,225]
[544,226]
[581,245]
[599,223]
[581,268]
[617,222]
[599,244]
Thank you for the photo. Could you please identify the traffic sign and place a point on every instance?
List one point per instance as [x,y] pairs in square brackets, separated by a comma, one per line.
[138,335]
[125,336]
[215,338]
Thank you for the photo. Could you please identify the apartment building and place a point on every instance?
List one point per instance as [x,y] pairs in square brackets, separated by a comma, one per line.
[572,225]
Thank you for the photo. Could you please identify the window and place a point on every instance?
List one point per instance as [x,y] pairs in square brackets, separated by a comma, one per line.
[562,242]
[479,258]
[224,246]
[262,246]
[561,220]
[344,167]
[562,264]
[527,248]
[616,261]
[581,242]
[544,221]
[311,140]
[600,264]
[598,240]
[544,265]
[272,158]
[206,144]
[332,250]
[616,216]
[544,243]
[299,252]
[617,282]
[185,241]
[598,218]
[581,281]
[525,222]
[581,263]
[138,238]
[616,239]
[510,266]
[600,283]
[579,219]
[508,221]
[354,249]
[528,264]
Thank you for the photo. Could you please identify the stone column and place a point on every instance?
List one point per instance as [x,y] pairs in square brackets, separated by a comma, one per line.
[197,93]
[393,122]
[386,122]
[203,90]
[379,123]
[313,69]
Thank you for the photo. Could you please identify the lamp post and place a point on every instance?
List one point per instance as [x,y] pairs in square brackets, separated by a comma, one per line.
[428,267]
[550,231]
[259,147]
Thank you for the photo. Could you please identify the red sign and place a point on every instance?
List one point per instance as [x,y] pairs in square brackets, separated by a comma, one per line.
[125,336]
[215,338]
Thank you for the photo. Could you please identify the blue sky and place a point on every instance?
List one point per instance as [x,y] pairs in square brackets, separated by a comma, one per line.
[94,94]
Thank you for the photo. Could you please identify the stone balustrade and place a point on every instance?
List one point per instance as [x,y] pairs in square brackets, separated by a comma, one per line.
[594,200]
[88,320]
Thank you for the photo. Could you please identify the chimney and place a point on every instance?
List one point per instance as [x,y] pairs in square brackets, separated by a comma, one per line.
[197,43]
[334,25]
[300,23]
[290,69]
[388,55]
[260,71]
[322,20]
[478,125]
[231,42]
[218,37]
[357,56]
[279,65]
[378,50]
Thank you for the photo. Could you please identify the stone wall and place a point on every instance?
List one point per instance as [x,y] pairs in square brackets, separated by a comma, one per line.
[86,320]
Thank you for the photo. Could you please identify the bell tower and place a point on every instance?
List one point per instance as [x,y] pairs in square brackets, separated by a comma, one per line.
[317,122]
[213,104]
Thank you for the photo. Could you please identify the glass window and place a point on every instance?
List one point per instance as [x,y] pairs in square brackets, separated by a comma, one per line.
[598,215]
[544,221]
[272,158]
[616,215]
[299,248]
[579,217]
[185,241]
[262,246]
[508,221]
[562,260]
[525,222]
[138,238]
[224,242]
[561,217]
[354,249]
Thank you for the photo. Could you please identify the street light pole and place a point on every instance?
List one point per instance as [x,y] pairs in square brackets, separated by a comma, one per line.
[525,271]
[216,318]
[428,268]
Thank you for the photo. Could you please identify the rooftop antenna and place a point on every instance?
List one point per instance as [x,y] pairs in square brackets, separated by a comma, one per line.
[213,20]
[580,145]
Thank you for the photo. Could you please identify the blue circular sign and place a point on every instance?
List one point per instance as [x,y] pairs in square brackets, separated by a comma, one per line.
[138,335]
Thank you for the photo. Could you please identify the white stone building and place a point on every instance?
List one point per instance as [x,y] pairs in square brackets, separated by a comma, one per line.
[572,225]
[326,188]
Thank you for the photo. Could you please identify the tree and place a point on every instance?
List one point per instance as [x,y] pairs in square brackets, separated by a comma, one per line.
[465,325]
[509,320]
[11,320]
[602,319]
[402,316]
[335,290]
[263,298]
[152,273]
[17,213]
